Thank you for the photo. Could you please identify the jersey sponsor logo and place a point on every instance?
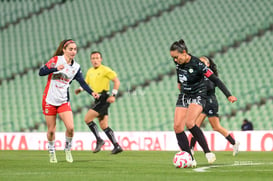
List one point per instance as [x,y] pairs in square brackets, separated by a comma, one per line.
[182,78]
[61,76]
[188,101]
[197,100]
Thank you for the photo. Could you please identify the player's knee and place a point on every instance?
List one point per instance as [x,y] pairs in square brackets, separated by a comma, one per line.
[178,128]
[70,131]
[103,125]
[50,133]
[216,128]
[190,124]
[87,121]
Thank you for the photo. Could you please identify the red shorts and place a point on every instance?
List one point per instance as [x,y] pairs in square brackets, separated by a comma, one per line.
[53,110]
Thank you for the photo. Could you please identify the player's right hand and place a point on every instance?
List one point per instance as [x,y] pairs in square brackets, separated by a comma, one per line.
[95,95]
[60,67]
[232,99]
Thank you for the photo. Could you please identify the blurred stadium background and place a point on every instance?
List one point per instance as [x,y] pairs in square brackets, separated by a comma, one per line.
[134,38]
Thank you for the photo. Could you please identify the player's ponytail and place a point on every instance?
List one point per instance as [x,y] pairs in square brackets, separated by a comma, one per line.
[179,46]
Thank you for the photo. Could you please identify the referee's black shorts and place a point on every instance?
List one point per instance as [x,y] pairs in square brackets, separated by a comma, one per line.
[101,105]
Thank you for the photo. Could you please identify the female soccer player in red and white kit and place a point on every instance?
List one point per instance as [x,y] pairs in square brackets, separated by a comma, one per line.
[61,70]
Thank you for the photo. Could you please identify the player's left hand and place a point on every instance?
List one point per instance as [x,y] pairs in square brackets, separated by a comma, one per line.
[111,99]
[232,99]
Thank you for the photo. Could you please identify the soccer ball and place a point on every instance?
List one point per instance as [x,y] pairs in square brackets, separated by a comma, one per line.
[182,159]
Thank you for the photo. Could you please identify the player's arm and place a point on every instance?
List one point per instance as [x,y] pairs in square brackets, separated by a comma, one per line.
[84,85]
[221,86]
[114,93]
[44,70]
[50,67]
[179,86]
[116,86]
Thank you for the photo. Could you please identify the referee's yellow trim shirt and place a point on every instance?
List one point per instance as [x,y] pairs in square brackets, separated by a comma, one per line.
[99,78]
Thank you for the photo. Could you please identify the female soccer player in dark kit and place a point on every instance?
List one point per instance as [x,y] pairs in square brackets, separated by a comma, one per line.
[211,110]
[192,98]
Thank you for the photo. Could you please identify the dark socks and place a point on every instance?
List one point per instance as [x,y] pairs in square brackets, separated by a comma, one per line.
[230,139]
[110,134]
[199,136]
[193,142]
[94,128]
[183,142]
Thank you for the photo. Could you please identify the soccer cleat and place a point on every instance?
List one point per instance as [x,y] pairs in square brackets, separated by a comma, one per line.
[193,164]
[100,143]
[117,150]
[236,148]
[52,157]
[68,156]
[210,157]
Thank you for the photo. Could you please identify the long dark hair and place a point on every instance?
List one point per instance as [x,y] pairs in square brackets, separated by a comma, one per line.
[179,46]
[212,65]
[61,46]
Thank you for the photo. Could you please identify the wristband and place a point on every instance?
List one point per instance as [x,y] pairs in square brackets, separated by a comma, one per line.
[114,92]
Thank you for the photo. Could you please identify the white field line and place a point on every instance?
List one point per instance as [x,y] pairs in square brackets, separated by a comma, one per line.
[237,163]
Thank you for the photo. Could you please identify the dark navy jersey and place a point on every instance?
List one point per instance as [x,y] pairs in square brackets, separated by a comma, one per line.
[191,76]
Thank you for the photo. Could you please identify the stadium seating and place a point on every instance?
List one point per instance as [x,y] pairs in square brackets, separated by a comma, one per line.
[11,11]
[88,25]
[139,54]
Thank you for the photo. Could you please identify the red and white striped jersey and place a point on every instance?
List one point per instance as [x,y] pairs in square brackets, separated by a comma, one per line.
[57,88]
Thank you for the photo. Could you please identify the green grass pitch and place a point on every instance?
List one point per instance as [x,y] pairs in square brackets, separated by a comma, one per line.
[133,166]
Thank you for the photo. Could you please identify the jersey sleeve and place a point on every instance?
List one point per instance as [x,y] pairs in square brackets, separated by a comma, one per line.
[204,69]
[208,73]
[111,74]
[49,67]
[220,85]
[84,85]
[52,62]
[87,80]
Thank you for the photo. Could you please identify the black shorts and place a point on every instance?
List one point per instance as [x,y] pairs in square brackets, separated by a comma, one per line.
[185,100]
[211,107]
[100,105]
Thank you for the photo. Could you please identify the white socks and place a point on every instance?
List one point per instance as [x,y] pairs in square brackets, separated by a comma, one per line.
[68,143]
[51,146]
